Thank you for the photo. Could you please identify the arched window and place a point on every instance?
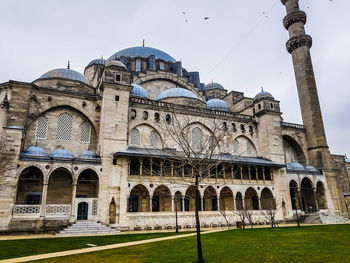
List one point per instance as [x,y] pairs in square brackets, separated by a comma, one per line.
[41,128]
[236,147]
[85,132]
[135,137]
[64,127]
[196,138]
[154,139]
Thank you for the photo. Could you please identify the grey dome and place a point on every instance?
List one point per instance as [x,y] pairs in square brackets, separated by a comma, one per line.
[99,61]
[212,86]
[217,104]
[61,153]
[144,52]
[116,63]
[311,169]
[35,151]
[177,93]
[87,154]
[295,166]
[139,91]
[263,95]
[63,73]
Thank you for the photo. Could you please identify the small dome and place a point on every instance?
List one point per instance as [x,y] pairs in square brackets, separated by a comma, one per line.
[217,104]
[144,52]
[138,91]
[35,151]
[347,160]
[295,166]
[63,73]
[263,95]
[212,86]
[177,93]
[99,61]
[61,153]
[87,154]
[311,169]
[116,63]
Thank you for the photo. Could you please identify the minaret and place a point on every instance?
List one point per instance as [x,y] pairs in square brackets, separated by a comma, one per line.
[298,46]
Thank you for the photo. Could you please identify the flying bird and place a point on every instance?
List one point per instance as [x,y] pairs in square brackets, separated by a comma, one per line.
[206,18]
[183,12]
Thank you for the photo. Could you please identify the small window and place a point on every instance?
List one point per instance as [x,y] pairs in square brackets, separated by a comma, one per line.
[145,115]
[41,128]
[133,114]
[271,105]
[242,128]
[161,65]
[197,135]
[251,130]
[168,118]
[156,117]
[154,139]
[64,127]
[135,137]
[224,126]
[259,106]
[85,132]
[235,147]
[254,111]
[138,65]
[118,77]
[116,98]
[234,127]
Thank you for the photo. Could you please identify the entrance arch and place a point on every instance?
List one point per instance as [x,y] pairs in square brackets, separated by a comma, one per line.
[87,186]
[267,200]
[83,210]
[60,187]
[320,196]
[293,190]
[251,199]
[190,198]
[161,200]
[226,199]
[210,201]
[30,186]
[139,200]
[308,202]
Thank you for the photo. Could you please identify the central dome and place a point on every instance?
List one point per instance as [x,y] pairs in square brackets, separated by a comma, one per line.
[144,52]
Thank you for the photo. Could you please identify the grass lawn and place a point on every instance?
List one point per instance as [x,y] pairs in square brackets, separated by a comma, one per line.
[305,244]
[28,247]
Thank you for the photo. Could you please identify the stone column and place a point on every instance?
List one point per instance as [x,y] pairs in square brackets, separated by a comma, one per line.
[72,207]
[141,162]
[259,203]
[218,203]
[250,177]
[263,172]
[315,197]
[150,204]
[172,203]
[202,201]
[240,169]
[183,203]
[43,200]
[234,203]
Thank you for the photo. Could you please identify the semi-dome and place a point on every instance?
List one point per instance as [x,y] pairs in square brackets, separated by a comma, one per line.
[263,95]
[61,154]
[35,151]
[311,169]
[138,91]
[98,61]
[177,93]
[144,52]
[116,63]
[63,73]
[212,86]
[295,166]
[217,104]
[87,154]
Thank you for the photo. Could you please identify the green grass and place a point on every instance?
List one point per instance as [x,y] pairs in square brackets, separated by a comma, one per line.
[28,247]
[292,244]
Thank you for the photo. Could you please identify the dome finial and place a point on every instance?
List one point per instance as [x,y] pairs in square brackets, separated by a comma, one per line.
[143,43]
[262,88]
[68,66]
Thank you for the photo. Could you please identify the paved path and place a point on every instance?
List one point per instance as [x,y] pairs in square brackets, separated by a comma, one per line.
[100,248]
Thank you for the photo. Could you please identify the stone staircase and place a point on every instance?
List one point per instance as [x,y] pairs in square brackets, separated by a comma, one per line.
[321,218]
[86,227]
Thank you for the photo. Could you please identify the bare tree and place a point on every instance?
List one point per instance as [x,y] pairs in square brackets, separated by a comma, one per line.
[249,216]
[225,216]
[194,148]
[6,158]
[242,216]
[270,213]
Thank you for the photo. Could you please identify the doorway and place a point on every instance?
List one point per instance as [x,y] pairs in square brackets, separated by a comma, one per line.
[83,211]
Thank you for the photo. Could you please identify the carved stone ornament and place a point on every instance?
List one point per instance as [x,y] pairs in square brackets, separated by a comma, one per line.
[298,41]
[295,17]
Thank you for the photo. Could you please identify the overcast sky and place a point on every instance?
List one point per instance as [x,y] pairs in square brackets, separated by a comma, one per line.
[241,45]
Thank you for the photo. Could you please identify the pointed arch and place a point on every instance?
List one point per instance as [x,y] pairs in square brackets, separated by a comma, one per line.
[251,199]
[161,200]
[210,200]
[226,199]
[30,186]
[267,200]
[243,146]
[139,199]
[293,152]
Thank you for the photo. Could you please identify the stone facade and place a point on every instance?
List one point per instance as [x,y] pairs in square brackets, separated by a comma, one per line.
[93,147]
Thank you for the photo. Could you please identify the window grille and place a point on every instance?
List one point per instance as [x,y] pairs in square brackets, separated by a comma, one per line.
[135,137]
[154,139]
[41,128]
[85,132]
[161,65]
[196,138]
[249,148]
[64,127]
[236,147]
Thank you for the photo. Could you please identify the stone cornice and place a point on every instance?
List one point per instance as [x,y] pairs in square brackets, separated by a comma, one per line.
[298,41]
[295,17]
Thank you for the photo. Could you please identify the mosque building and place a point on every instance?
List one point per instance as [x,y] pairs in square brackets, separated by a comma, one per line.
[90,147]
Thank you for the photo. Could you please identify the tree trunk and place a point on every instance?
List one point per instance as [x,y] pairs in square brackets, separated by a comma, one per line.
[198,227]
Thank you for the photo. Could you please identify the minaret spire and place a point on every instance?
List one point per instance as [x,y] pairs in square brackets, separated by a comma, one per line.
[298,46]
